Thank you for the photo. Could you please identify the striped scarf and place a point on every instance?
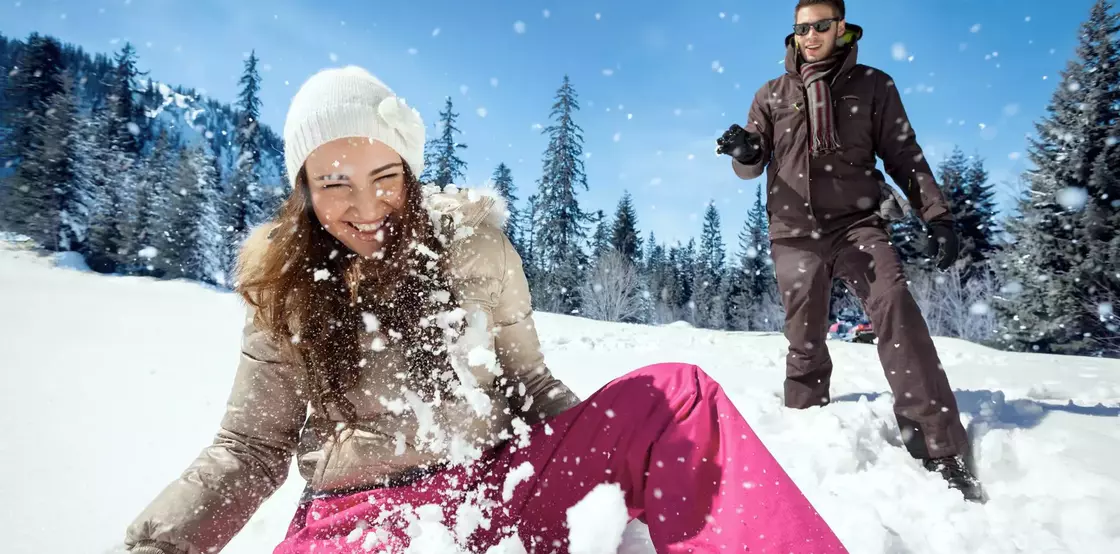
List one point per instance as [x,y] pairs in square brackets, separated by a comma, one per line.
[822,119]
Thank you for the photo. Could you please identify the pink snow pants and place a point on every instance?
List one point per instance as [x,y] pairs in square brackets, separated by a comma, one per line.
[686,461]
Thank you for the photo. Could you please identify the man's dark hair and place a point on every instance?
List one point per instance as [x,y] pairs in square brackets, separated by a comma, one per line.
[837,6]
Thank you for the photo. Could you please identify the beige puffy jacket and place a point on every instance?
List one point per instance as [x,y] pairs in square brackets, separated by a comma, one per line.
[268,419]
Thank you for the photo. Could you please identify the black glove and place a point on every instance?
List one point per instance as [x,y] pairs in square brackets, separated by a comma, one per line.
[942,239]
[741,144]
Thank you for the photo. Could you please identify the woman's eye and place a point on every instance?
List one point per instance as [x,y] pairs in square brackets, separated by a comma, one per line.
[334,185]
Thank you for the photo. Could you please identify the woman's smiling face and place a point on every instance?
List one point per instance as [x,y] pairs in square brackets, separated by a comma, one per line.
[356,185]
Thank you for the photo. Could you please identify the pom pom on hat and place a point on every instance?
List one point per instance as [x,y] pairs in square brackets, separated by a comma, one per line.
[350,102]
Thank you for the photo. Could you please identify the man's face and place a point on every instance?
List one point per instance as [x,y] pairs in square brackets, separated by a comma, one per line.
[815,45]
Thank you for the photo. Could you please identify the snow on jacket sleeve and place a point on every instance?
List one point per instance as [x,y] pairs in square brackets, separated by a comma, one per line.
[897,145]
[518,346]
[758,122]
[490,275]
[247,462]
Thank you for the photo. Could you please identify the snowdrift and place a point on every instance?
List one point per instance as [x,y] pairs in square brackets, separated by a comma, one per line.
[111,385]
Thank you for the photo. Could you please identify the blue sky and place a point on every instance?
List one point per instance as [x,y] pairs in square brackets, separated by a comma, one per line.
[659,81]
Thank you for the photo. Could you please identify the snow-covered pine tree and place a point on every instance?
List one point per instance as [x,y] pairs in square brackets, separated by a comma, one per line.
[984,225]
[35,80]
[601,239]
[80,201]
[530,258]
[174,243]
[54,199]
[1057,282]
[127,115]
[442,164]
[658,281]
[193,247]
[245,201]
[908,238]
[148,225]
[753,292]
[562,233]
[624,233]
[104,237]
[503,183]
[710,260]
[964,182]
[685,269]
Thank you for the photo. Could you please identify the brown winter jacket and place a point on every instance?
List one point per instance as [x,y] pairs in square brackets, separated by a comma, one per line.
[834,191]
[268,418]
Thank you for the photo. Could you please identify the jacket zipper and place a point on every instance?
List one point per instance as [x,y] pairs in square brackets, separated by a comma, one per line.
[808,163]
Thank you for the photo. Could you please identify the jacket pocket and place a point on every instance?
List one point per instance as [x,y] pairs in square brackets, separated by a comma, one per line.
[855,128]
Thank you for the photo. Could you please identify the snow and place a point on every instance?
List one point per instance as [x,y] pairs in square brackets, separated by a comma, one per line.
[111,385]
[596,523]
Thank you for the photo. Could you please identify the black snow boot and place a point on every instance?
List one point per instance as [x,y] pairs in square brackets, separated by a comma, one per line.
[954,470]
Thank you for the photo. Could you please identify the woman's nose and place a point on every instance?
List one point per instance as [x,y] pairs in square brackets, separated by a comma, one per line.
[370,202]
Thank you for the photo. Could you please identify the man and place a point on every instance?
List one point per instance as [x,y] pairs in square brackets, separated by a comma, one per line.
[817,130]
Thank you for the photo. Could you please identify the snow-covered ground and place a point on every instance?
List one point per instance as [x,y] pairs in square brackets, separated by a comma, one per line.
[112,384]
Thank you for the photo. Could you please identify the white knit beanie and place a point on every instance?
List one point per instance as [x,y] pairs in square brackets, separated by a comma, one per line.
[350,102]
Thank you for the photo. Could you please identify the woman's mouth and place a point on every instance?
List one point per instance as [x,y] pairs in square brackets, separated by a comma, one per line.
[368,232]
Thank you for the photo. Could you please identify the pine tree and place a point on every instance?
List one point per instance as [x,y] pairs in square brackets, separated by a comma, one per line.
[656,281]
[753,291]
[246,197]
[127,117]
[148,226]
[685,270]
[192,247]
[80,201]
[36,80]
[601,239]
[116,182]
[530,257]
[503,183]
[964,183]
[1057,278]
[49,178]
[561,234]
[709,303]
[908,239]
[624,234]
[983,225]
[442,164]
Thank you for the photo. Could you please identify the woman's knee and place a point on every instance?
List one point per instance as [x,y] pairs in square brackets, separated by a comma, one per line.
[673,375]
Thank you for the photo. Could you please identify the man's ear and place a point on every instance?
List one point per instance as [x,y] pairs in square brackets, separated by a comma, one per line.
[841,28]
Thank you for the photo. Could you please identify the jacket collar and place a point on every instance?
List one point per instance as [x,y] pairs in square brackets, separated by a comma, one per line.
[849,41]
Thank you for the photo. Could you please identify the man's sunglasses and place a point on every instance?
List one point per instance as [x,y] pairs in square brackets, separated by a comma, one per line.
[822,26]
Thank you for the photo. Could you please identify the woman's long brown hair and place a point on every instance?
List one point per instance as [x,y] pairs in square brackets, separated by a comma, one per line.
[328,320]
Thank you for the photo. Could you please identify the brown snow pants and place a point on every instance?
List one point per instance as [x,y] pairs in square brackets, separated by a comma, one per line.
[864,259]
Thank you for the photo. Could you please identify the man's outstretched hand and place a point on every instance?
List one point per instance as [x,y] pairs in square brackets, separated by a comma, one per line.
[942,244]
[743,145]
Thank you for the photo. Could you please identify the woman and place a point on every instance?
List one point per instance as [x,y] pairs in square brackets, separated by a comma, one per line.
[390,346]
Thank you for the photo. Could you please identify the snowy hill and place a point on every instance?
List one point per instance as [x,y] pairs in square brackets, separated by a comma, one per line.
[111,385]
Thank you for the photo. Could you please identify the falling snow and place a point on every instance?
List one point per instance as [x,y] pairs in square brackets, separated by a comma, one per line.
[1073,198]
[898,51]
[519,27]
